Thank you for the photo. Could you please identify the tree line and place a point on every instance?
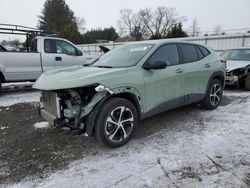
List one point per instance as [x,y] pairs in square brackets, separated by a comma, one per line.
[163,22]
[56,17]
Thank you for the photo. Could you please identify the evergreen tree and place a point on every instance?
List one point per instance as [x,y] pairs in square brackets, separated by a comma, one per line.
[177,31]
[93,35]
[58,18]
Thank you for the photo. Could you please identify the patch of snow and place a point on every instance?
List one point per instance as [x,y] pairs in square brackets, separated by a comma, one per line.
[41,125]
[8,99]
[2,128]
[14,84]
[172,157]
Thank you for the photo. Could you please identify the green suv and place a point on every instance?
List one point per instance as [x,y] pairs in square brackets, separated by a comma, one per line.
[108,97]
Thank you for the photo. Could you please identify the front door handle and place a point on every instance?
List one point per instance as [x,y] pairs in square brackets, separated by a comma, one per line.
[207,65]
[179,71]
[58,58]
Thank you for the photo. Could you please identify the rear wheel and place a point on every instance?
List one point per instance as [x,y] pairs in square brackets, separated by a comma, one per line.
[247,82]
[116,122]
[213,96]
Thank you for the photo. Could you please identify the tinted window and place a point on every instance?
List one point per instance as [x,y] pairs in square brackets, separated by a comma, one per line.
[204,51]
[200,55]
[168,53]
[189,53]
[63,47]
[49,46]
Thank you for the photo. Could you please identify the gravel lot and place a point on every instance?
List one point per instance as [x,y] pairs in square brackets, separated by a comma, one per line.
[186,147]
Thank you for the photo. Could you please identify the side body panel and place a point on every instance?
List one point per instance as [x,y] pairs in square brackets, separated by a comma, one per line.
[18,66]
[161,87]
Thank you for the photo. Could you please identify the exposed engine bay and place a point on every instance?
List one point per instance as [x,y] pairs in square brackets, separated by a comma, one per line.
[69,108]
[237,76]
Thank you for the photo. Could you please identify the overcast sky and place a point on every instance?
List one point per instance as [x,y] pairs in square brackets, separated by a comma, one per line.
[230,14]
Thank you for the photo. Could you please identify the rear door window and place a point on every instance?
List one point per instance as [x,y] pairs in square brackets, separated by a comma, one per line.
[188,53]
[168,53]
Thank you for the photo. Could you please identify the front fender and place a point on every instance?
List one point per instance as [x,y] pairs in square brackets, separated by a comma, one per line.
[117,92]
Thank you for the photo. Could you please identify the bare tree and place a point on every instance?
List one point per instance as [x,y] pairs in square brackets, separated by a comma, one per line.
[218,29]
[195,28]
[149,24]
[130,23]
[160,21]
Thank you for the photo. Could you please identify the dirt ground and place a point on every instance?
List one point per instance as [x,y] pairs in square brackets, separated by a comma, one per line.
[28,154]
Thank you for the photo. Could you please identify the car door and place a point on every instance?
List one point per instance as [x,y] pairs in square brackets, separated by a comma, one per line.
[164,88]
[67,55]
[197,69]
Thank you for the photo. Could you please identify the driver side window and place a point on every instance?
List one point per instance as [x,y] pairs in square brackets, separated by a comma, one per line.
[167,53]
[63,47]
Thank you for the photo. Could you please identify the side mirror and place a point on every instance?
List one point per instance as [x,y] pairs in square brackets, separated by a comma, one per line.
[155,64]
[79,53]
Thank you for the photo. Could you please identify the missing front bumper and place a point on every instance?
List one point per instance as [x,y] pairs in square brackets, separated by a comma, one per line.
[232,80]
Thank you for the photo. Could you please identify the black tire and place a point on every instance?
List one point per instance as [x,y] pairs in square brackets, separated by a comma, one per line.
[109,129]
[247,82]
[213,96]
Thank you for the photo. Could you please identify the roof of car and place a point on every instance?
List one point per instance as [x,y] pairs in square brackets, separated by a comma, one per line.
[162,41]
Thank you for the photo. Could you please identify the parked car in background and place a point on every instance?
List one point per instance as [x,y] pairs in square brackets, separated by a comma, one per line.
[132,82]
[46,53]
[238,66]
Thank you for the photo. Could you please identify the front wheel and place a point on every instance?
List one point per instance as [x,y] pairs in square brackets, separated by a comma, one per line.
[213,96]
[116,122]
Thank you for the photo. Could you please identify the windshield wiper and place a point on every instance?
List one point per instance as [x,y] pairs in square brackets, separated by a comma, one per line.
[104,66]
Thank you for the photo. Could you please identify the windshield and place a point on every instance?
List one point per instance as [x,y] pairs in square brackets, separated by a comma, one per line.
[124,56]
[237,54]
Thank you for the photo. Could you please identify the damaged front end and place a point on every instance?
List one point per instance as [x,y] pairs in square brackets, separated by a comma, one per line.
[236,77]
[72,107]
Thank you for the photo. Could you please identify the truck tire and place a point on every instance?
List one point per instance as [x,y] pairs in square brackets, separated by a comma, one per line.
[116,122]
[247,82]
[213,96]
[0,86]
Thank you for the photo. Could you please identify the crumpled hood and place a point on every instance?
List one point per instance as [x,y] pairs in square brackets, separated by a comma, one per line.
[75,76]
[231,64]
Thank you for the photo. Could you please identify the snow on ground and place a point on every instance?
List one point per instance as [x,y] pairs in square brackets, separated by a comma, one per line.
[17,84]
[206,149]
[11,98]
[41,125]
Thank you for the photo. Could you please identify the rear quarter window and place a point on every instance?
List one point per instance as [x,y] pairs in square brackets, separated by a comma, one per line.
[204,51]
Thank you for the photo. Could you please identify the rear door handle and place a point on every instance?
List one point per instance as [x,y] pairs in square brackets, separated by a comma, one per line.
[58,58]
[179,71]
[207,65]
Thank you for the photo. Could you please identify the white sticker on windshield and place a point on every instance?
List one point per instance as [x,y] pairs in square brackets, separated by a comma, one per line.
[139,49]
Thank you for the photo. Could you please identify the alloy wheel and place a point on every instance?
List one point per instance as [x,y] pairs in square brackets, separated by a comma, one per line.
[119,124]
[215,94]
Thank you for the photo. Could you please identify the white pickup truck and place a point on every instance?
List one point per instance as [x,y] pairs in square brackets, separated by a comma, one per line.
[46,53]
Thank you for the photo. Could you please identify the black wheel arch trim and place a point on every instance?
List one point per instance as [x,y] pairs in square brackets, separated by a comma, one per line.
[91,117]
[220,75]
